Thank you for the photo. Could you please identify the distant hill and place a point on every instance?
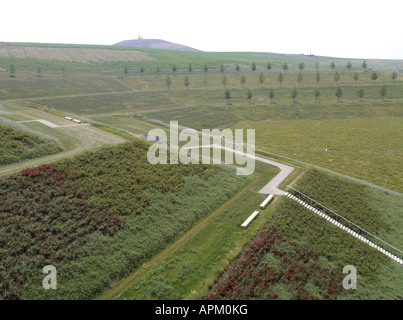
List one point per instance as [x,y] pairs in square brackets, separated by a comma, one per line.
[154,43]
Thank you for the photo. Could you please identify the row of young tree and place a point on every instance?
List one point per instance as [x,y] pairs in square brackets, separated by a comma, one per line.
[269,66]
[281,78]
[13,71]
[316,94]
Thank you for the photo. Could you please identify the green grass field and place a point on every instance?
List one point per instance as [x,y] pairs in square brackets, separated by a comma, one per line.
[155,205]
[165,59]
[349,135]
[73,140]
[44,87]
[187,269]
[371,209]
[17,145]
[363,148]
[362,137]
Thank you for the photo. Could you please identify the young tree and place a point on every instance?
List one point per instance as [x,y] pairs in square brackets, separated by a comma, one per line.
[348,66]
[285,67]
[261,78]
[224,81]
[280,78]
[237,68]
[300,78]
[227,95]
[186,81]
[12,71]
[294,94]
[190,69]
[269,67]
[222,68]
[332,66]
[64,71]
[339,93]
[355,77]
[125,70]
[364,65]
[168,81]
[249,95]
[360,93]
[394,76]
[383,91]
[253,67]
[142,70]
[39,70]
[205,68]
[174,69]
[317,78]
[243,81]
[316,94]
[374,76]
[336,77]
[271,95]
[301,66]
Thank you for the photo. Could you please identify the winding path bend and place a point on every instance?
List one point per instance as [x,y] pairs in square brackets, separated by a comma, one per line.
[272,186]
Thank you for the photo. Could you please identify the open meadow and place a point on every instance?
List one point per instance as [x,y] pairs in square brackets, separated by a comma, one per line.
[301,128]
[118,227]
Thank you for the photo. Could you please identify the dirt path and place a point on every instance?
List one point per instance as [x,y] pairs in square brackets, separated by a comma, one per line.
[91,138]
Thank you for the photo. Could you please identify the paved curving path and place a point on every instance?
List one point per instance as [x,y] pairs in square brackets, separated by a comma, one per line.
[272,186]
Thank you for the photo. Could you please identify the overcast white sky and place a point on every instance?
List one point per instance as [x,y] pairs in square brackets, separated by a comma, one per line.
[339,28]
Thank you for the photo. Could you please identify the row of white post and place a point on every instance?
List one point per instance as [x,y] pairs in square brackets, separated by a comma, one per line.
[353,233]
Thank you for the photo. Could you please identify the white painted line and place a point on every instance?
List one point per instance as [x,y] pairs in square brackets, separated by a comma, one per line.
[45,122]
[52,125]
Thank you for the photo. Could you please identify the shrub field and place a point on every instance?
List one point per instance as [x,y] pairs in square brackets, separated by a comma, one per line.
[271,267]
[19,146]
[299,255]
[45,217]
[103,212]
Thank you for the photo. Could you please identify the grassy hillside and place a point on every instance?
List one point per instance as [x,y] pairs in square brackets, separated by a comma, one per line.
[34,88]
[352,132]
[73,139]
[125,211]
[82,55]
[361,136]
[148,211]
[113,58]
[188,267]
[19,146]
[295,234]
[349,146]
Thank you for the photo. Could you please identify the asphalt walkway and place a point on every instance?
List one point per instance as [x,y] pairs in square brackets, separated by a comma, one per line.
[272,186]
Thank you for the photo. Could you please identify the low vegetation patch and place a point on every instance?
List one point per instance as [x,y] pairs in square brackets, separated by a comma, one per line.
[19,146]
[45,218]
[342,145]
[299,255]
[271,267]
[97,216]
